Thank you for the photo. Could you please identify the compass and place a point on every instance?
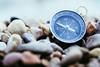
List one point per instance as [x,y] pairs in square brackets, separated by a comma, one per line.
[68,26]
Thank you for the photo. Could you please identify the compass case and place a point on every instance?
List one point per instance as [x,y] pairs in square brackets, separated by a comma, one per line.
[68,26]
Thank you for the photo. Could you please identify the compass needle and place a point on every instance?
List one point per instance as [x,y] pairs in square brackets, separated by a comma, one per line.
[61,25]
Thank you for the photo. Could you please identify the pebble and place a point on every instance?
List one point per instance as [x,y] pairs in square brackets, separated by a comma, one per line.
[17,27]
[36,32]
[56,54]
[2,46]
[36,47]
[5,37]
[93,63]
[45,62]
[72,55]
[91,27]
[54,62]
[45,28]
[95,52]
[98,27]
[28,37]
[30,58]
[56,47]
[93,41]
[13,42]
[11,58]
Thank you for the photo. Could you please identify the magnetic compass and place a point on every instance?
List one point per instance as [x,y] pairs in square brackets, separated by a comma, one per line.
[68,26]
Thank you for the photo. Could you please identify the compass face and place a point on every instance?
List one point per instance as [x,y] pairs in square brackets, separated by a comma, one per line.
[68,26]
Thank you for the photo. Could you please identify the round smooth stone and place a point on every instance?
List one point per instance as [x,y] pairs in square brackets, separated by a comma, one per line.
[28,37]
[2,46]
[95,52]
[11,58]
[72,55]
[93,41]
[93,63]
[41,47]
[54,62]
[17,27]
[13,42]
[29,58]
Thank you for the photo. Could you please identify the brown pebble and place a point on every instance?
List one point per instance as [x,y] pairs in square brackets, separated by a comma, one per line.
[29,58]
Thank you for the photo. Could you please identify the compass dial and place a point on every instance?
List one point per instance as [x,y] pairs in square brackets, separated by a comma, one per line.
[68,26]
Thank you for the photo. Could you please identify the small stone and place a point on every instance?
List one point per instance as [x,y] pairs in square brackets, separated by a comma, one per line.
[93,63]
[98,27]
[72,55]
[36,32]
[17,27]
[45,62]
[41,47]
[45,28]
[2,46]
[56,54]
[56,47]
[1,33]
[54,62]
[93,41]
[5,37]
[84,50]
[11,58]
[28,37]
[91,28]
[29,58]
[13,42]
[95,52]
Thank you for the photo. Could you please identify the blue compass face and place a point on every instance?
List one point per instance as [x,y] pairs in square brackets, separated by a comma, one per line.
[68,26]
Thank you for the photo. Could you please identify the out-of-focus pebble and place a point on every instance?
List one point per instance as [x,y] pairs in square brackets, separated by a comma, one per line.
[45,62]
[95,52]
[45,28]
[13,42]
[91,28]
[17,27]
[72,55]
[1,33]
[36,32]
[56,47]
[36,47]
[2,46]
[5,37]
[54,62]
[29,58]
[28,37]
[93,63]
[93,41]
[11,58]
[84,50]
[56,54]
[98,27]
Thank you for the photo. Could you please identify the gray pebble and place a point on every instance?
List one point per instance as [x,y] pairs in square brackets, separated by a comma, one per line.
[72,55]
[56,47]
[36,47]
[28,37]
[93,41]
[2,46]
[54,62]
[93,63]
